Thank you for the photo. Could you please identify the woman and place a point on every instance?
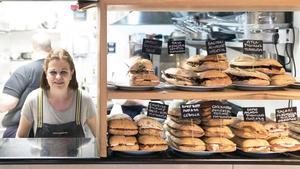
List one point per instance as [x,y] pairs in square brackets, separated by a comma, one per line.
[57,108]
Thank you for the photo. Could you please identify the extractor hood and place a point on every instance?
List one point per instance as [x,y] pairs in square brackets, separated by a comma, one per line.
[146,18]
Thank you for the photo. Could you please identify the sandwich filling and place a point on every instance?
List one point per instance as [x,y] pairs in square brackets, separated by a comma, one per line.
[270,67]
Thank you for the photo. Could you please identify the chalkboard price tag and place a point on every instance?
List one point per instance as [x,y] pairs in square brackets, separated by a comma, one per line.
[215,47]
[253,47]
[286,114]
[254,114]
[190,111]
[152,46]
[221,111]
[157,110]
[176,46]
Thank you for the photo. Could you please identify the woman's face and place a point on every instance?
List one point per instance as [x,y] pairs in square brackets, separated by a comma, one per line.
[59,74]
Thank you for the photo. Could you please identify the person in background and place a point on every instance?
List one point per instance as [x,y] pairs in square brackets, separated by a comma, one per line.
[24,80]
[58,108]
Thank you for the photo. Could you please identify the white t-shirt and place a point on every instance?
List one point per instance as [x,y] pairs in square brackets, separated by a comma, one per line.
[50,116]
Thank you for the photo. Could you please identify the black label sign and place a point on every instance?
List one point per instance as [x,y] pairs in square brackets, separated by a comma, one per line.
[157,110]
[254,114]
[152,46]
[190,111]
[215,47]
[220,111]
[253,47]
[176,46]
[286,114]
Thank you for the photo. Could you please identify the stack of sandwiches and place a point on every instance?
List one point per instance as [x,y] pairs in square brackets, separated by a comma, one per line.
[183,135]
[247,70]
[200,71]
[141,73]
[150,137]
[250,136]
[294,132]
[122,130]
[294,129]
[278,137]
[199,63]
[217,133]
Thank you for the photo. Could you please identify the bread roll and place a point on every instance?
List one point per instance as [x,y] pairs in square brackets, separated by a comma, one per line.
[282,80]
[252,145]
[183,121]
[186,141]
[183,133]
[219,144]
[125,132]
[184,127]
[217,122]
[145,122]
[218,131]
[152,143]
[266,66]
[284,144]
[188,148]
[276,129]
[122,140]
[245,129]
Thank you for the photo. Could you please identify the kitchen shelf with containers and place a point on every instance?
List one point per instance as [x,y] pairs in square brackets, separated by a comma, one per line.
[202,127]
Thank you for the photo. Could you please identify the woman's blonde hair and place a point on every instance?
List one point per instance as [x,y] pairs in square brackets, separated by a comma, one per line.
[59,54]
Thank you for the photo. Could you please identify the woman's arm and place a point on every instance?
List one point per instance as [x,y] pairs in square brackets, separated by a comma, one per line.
[92,123]
[24,128]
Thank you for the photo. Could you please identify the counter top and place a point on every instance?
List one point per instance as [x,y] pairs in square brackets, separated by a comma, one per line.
[84,151]
[44,148]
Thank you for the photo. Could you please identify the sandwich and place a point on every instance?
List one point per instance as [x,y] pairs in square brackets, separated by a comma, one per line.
[148,126]
[141,66]
[218,131]
[284,144]
[144,79]
[152,143]
[120,124]
[282,80]
[199,63]
[248,77]
[294,135]
[186,144]
[219,144]
[189,127]
[276,129]
[266,66]
[178,76]
[294,126]
[208,121]
[182,133]
[252,145]
[213,78]
[123,143]
[217,122]
[141,73]
[178,119]
[245,129]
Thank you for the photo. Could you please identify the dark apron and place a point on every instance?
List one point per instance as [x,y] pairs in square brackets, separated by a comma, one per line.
[70,129]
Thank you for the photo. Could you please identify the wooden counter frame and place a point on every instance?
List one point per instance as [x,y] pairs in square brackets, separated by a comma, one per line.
[179,5]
